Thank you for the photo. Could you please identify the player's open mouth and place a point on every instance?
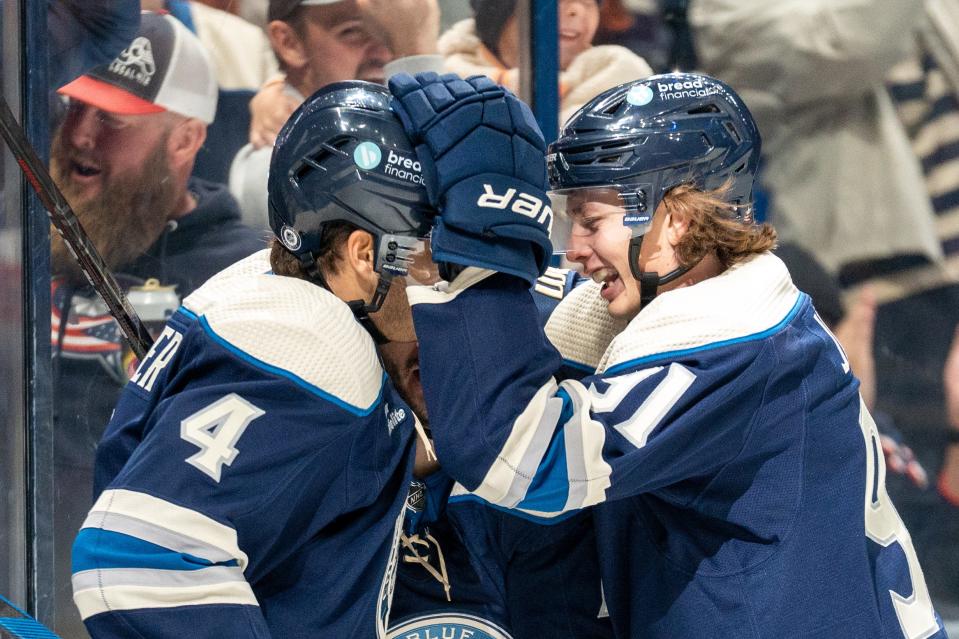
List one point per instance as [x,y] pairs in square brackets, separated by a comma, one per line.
[610,280]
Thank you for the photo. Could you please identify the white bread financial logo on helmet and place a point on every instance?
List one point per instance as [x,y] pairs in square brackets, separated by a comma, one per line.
[404,168]
[136,62]
[685,89]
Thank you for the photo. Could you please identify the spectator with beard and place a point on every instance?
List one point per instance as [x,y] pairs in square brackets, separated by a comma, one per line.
[123,157]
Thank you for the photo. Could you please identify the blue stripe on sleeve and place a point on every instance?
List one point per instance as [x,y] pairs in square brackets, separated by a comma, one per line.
[549,489]
[96,548]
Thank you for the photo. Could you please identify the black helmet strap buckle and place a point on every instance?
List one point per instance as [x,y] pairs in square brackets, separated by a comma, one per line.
[361,310]
[650,281]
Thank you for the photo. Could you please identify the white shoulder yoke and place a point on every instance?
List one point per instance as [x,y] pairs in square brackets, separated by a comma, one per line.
[291,328]
[745,302]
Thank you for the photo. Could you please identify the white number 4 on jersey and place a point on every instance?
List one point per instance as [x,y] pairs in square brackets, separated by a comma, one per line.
[216,429]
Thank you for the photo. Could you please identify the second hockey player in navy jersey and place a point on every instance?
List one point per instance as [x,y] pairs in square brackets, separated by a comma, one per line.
[735,478]
[469,569]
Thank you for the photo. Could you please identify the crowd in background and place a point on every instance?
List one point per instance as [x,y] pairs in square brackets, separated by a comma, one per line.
[858,104]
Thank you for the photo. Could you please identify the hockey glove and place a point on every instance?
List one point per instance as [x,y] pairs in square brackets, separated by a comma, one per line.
[483,159]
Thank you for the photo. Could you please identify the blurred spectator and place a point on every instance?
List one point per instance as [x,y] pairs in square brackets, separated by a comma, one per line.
[318,42]
[640,30]
[240,51]
[253,11]
[123,158]
[452,11]
[489,44]
[843,179]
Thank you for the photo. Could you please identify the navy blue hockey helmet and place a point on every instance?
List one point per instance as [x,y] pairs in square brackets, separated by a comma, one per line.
[637,141]
[343,156]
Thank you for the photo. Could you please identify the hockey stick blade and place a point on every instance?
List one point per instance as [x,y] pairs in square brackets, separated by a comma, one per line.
[67,224]
[16,624]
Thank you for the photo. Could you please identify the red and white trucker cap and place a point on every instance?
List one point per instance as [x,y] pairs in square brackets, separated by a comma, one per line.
[165,68]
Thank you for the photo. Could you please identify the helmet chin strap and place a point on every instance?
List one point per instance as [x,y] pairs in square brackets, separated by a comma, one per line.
[650,281]
[361,310]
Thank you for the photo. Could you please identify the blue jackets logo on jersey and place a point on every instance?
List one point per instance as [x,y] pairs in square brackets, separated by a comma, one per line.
[447,626]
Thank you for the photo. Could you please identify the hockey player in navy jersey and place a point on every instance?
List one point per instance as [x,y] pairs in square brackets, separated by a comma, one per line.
[735,477]
[253,478]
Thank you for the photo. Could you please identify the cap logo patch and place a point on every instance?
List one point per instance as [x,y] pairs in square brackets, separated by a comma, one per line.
[136,62]
[290,238]
[367,156]
[640,95]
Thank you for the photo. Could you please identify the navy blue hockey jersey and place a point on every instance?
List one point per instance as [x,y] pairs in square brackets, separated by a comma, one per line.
[441,590]
[507,575]
[252,480]
[736,479]
[471,569]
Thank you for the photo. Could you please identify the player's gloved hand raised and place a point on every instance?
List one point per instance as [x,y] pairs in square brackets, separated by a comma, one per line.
[483,159]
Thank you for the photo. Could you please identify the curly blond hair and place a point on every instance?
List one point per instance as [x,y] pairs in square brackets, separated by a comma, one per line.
[717,226]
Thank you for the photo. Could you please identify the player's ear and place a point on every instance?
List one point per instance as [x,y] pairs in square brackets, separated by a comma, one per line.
[358,254]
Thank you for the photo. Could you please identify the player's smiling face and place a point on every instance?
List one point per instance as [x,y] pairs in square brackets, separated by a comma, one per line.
[600,243]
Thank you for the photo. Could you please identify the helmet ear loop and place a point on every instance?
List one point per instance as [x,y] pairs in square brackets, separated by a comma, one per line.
[650,281]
